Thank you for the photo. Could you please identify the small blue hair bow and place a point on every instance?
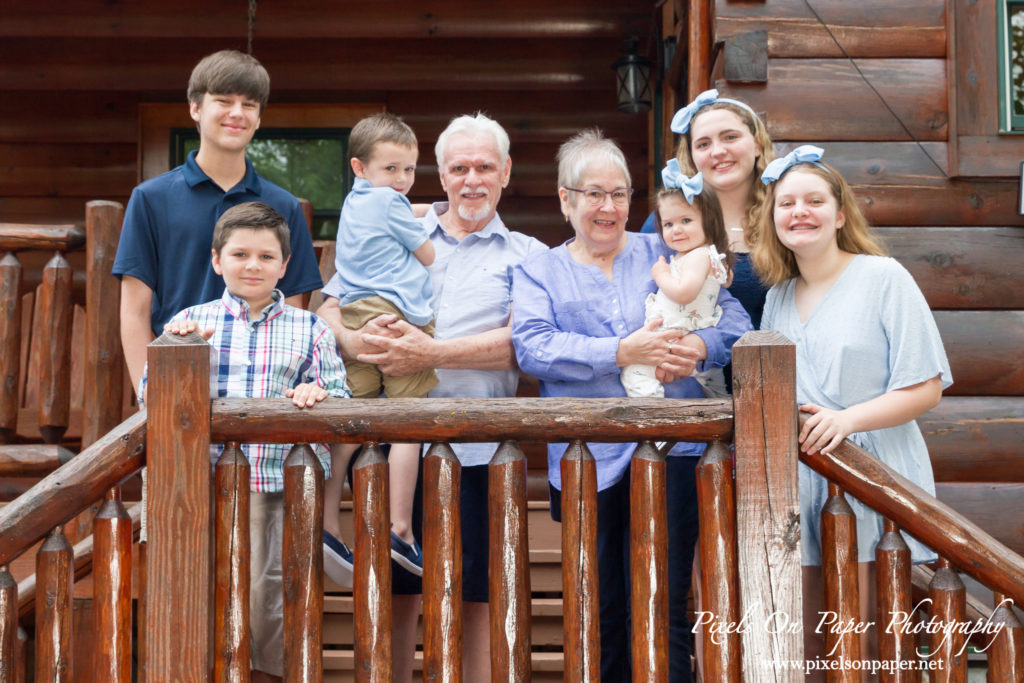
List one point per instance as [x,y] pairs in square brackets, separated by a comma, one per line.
[804,154]
[673,178]
[681,121]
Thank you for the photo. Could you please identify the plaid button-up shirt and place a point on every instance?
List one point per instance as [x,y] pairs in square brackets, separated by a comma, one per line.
[264,356]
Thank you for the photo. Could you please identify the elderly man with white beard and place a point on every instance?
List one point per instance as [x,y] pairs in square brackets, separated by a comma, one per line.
[471,351]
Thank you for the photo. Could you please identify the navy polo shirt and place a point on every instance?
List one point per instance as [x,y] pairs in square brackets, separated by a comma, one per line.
[168,230]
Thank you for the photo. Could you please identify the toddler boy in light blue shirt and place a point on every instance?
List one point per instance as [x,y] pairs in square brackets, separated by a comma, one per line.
[381,259]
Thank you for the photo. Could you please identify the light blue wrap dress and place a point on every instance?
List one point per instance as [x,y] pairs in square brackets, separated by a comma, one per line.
[871,334]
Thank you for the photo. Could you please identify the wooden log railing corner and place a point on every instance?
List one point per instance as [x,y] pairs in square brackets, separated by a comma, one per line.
[194,603]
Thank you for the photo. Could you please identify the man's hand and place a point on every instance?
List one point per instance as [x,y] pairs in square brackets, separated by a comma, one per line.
[406,349]
[306,395]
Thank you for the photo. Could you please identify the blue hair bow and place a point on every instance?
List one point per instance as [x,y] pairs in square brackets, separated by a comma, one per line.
[804,154]
[673,178]
[681,121]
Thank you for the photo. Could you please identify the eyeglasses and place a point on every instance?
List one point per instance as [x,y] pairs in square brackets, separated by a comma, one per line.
[595,197]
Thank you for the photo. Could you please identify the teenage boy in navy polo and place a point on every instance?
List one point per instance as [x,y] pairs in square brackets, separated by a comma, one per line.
[163,259]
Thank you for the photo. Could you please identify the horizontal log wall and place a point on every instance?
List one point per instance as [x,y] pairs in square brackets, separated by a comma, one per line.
[937,175]
[69,110]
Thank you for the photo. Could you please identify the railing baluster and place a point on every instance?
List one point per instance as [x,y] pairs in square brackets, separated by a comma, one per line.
[719,580]
[8,625]
[949,604]
[892,578]
[10,345]
[21,667]
[104,364]
[1006,652]
[54,576]
[303,565]
[112,590]
[842,594]
[648,555]
[581,615]
[231,567]
[371,596]
[509,565]
[55,349]
[442,566]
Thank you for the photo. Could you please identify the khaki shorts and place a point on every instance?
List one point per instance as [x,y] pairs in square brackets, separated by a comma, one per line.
[365,379]
[266,593]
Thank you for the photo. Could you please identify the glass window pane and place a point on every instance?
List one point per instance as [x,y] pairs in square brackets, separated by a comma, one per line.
[1016,15]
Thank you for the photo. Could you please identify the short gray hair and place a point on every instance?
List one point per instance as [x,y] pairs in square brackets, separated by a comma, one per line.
[471,124]
[588,147]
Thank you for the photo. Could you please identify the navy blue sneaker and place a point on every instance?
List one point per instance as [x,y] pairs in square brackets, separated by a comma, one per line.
[408,557]
[338,561]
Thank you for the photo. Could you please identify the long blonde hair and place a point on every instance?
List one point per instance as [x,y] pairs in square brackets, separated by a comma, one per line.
[775,263]
[757,191]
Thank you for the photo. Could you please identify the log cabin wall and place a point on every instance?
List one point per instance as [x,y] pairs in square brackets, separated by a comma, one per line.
[73,74]
[904,97]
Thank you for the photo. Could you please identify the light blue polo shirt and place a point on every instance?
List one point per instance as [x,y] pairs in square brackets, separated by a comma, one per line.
[377,235]
[472,284]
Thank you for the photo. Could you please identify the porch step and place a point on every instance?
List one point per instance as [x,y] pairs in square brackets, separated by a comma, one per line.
[339,666]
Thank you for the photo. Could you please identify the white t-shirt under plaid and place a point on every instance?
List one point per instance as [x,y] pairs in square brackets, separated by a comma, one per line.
[264,357]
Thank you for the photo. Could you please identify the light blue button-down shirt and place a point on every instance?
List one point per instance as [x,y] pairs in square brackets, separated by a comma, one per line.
[472,282]
[569,319]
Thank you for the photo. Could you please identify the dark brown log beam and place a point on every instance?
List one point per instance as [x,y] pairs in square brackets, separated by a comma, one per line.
[63,493]
[18,237]
[32,460]
[473,420]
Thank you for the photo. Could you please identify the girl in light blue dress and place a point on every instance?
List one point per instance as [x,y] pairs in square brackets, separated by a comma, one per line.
[868,354]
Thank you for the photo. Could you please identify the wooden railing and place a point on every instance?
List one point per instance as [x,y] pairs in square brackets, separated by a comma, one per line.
[749,546]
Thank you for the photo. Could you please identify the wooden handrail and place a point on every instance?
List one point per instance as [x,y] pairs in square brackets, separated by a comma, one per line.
[21,237]
[470,419]
[80,482]
[934,523]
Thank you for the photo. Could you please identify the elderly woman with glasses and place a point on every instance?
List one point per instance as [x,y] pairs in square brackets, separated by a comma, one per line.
[578,318]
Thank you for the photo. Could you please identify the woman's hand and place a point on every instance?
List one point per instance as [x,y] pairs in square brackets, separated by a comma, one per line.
[824,430]
[647,346]
[682,360]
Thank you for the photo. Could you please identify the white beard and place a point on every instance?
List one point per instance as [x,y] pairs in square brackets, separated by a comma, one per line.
[468,214]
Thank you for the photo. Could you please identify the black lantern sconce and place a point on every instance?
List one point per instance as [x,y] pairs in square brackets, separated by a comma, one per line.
[633,80]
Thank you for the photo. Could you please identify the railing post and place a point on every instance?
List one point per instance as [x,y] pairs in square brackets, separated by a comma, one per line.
[581,615]
[892,578]
[1006,652]
[54,311]
[768,503]
[179,566]
[371,597]
[104,364]
[442,566]
[8,626]
[55,578]
[949,607]
[112,591]
[719,580]
[842,594]
[509,565]
[10,345]
[648,563]
[231,591]
[302,567]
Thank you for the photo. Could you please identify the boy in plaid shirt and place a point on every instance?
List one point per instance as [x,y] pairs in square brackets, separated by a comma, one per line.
[261,347]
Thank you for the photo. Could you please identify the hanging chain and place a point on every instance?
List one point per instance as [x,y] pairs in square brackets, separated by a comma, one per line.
[252,21]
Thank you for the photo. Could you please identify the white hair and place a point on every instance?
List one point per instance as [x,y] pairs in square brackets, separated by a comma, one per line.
[472,124]
[588,147]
